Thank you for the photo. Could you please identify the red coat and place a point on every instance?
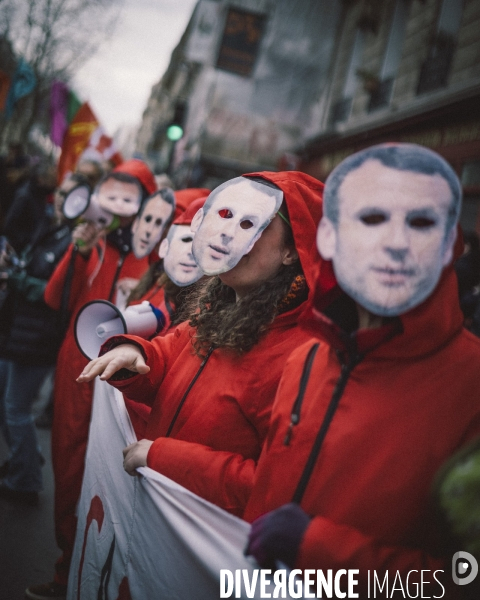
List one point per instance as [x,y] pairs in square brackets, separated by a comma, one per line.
[409,403]
[212,445]
[138,411]
[94,278]
[216,440]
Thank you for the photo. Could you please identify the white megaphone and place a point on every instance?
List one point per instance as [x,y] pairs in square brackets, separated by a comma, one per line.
[80,202]
[98,320]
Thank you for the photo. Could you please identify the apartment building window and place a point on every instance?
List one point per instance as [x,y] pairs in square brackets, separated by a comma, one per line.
[436,68]
[340,111]
[381,94]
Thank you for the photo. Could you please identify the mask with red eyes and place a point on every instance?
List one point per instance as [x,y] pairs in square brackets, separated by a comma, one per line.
[231,221]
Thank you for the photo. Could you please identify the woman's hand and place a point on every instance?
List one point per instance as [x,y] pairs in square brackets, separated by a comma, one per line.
[125,356]
[85,236]
[127,284]
[135,456]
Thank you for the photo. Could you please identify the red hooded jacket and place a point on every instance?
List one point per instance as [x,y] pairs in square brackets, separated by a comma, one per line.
[94,278]
[408,397]
[209,419]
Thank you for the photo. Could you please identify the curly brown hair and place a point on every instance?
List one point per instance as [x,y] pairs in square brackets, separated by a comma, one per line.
[223,322]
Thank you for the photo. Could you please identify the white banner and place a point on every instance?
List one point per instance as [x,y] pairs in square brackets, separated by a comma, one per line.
[146,537]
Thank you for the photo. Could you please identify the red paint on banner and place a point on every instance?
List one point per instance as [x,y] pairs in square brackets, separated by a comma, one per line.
[95,513]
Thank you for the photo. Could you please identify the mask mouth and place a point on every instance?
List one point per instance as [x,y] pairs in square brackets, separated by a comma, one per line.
[219,249]
[394,271]
[393,277]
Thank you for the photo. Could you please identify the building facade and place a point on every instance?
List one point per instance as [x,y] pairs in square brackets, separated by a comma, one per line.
[404,70]
[275,84]
[243,84]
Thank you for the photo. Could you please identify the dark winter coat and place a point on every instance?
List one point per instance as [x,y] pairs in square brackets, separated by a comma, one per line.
[31,331]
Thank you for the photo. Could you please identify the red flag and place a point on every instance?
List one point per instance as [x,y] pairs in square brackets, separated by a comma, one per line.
[85,138]
[5,82]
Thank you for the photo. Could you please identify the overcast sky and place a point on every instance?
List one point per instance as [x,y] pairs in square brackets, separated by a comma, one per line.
[118,79]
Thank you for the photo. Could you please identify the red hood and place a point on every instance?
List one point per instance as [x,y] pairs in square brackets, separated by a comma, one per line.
[183,198]
[137,168]
[303,195]
[187,215]
[424,328]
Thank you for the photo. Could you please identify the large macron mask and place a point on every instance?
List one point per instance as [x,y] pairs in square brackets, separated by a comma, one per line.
[178,261]
[394,232]
[149,225]
[231,221]
[119,198]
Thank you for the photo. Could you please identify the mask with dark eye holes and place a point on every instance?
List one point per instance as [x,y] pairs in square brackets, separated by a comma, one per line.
[178,261]
[231,221]
[389,225]
[150,223]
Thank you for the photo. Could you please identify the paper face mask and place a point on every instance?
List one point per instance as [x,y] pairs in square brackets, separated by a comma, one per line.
[148,227]
[231,221]
[178,261]
[119,198]
[392,234]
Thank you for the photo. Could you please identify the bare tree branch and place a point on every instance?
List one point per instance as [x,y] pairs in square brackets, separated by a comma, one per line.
[55,37]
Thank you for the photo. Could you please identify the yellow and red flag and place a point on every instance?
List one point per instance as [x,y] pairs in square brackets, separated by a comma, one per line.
[85,138]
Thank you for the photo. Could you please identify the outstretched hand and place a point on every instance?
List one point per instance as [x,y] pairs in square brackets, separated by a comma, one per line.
[125,356]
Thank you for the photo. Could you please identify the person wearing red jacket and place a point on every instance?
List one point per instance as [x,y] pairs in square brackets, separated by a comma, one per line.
[367,413]
[151,286]
[169,290]
[211,383]
[90,270]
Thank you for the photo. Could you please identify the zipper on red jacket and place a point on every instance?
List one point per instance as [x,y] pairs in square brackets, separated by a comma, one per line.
[297,405]
[120,262]
[346,369]
[184,397]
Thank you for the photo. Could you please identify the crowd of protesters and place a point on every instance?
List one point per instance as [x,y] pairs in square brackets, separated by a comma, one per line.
[310,369]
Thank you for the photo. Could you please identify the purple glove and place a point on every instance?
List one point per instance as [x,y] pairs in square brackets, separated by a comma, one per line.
[277,535]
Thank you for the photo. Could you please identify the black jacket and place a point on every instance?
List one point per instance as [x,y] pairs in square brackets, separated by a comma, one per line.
[30,331]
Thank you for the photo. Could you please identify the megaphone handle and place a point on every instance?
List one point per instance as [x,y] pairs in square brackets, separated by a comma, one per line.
[107,327]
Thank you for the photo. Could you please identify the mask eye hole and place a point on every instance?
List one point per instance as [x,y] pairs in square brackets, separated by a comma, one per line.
[373,218]
[187,239]
[246,224]
[421,222]
[158,222]
[225,213]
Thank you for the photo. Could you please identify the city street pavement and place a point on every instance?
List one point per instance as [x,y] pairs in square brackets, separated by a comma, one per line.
[27,542]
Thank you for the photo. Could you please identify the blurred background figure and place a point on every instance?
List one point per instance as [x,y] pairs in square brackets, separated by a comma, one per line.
[44,420]
[467,268]
[163,180]
[30,331]
[30,204]
[92,170]
[14,170]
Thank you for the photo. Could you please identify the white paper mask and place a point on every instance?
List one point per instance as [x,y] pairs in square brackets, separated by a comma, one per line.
[231,221]
[148,227]
[178,261]
[392,228]
[119,198]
